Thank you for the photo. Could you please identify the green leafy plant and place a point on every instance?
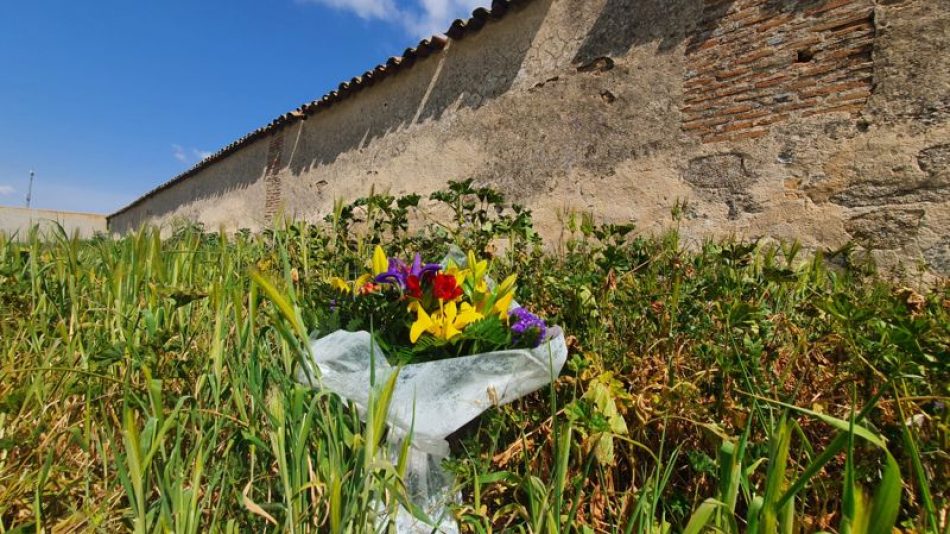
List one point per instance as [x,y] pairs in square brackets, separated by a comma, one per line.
[145,383]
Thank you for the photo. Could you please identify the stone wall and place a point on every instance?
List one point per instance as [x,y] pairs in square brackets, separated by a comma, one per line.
[19,221]
[824,121]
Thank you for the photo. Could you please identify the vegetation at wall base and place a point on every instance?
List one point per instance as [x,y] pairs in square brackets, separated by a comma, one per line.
[146,384]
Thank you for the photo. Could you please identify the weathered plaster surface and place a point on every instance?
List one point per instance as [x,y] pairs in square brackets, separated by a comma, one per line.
[578,105]
[230,194]
[19,221]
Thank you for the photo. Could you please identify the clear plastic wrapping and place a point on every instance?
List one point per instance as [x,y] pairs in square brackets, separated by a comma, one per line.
[434,399]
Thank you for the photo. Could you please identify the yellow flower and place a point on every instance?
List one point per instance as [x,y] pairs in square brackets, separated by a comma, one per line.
[423,322]
[504,294]
[502,304]
[454,319]
[346,287]
[508,285]
[477,270]
[340,284]
[380,262]
[445,323]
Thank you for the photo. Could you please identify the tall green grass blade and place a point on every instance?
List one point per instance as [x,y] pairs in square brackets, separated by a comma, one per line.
[923,484]
[702,516]
[885,505]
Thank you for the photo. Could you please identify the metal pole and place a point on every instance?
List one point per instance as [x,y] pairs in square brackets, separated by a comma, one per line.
[29,191]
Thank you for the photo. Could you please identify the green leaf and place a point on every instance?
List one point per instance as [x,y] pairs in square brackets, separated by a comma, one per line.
[840,424]
[887,499]
[701,516]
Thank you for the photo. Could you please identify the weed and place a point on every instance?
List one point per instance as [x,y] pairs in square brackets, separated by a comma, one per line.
[145,384]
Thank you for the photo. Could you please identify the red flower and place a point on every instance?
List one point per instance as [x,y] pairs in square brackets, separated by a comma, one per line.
[445,287]
[413,288]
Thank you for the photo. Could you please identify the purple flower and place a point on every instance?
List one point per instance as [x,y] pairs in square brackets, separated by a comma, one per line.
[419,270]
[527,327]
[399,272]
[396,275]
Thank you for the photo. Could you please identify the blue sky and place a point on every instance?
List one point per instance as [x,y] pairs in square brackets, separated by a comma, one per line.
[106,99]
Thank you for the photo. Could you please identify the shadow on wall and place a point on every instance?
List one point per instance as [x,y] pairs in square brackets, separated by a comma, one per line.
[210,185]
[625,24]
[462,76]
[469,73]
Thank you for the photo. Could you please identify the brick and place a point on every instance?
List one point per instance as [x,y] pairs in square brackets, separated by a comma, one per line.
[861,30]
[732,90]
[859,95]
[732,73]
[272,182]
[699,97]
[710,42]
[828,6]
[781,61]
[732,110]
[795,106]
[759,54]
[705,123]
[834,88]
[734,126]
[844,48]
[753,19]
[772,82]
[759,112]
[754,134]
[802,43]
[703,83]
[843,22]
[750,79]
[819,69]
[741,43]
[834,76]
[774,22]
[847,108]
[771,119]
[752,95]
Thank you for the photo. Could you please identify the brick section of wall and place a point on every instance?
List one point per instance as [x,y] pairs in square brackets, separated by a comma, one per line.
[272,186]
[754,63]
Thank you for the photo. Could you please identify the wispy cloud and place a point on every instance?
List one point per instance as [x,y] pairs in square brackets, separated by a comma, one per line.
[179,152]
[366,9]
[420,18]
[189,155]
[6,190]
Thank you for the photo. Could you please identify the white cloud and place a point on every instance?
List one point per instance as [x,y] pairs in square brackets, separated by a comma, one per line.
[421,18]
[365,9]
[6,190]
[179,152]
[189,156]
[436,15]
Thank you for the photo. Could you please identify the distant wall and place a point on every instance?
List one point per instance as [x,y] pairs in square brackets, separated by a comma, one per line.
[19,221]
[824,121]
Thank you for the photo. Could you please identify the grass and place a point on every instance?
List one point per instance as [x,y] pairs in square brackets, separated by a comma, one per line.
[146,385]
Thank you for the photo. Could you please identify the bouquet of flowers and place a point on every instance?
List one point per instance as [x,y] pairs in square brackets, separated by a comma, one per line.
[456,345]
[430,311]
